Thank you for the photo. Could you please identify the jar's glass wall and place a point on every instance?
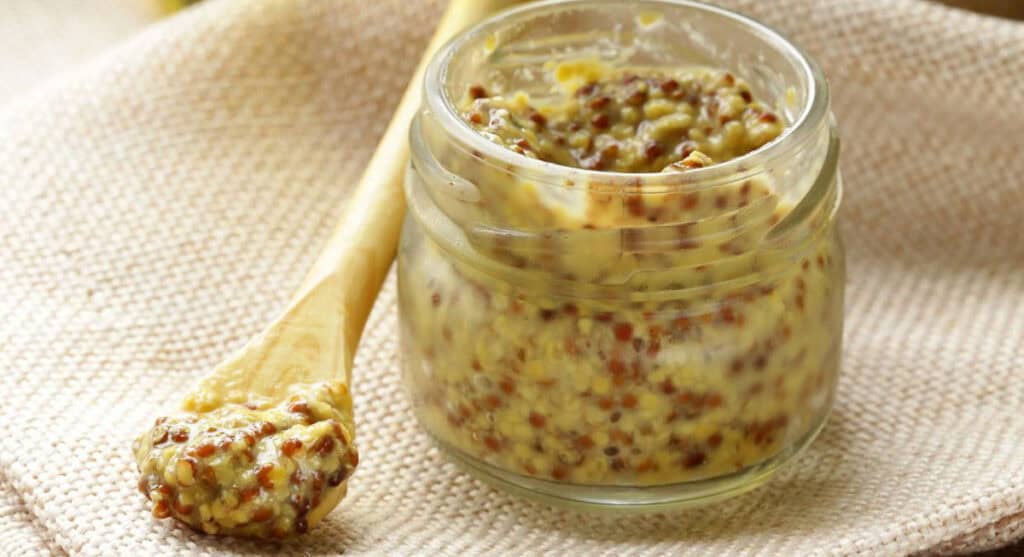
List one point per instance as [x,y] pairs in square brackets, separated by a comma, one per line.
[610,392]
[680,340]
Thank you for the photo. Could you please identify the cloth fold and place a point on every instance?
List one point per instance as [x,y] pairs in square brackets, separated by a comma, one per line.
[162,201]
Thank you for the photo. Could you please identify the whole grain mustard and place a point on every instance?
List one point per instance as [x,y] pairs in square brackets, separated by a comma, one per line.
[250,470]
[733,363]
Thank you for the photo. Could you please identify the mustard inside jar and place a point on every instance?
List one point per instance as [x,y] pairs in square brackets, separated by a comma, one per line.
[620,277]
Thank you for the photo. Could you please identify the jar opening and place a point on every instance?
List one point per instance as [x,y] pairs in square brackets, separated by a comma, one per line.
[512,48]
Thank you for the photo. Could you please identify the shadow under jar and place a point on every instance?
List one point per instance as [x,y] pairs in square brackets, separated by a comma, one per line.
[609,339]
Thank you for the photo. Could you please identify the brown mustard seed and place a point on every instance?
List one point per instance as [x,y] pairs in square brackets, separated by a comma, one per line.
[635,205]
[559,472]
[629,400]
[179,435]
[586,90]
[263,476]
[291,447]
[599,103]
[161,509]
[477,92]
[204,450]
[636,98]
[248,494]
[492,402]
[694,459]
[714,400]
[653,150]
[616,366]
[262,514]
[323,446]
[623,331]
[715,440]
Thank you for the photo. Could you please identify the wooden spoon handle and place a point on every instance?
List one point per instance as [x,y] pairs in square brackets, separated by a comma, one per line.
[356,258]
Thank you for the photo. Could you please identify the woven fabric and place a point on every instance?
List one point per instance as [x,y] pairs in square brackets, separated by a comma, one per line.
[40,39]
[161,202]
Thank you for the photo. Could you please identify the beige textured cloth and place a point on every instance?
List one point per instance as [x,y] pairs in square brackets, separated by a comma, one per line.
[160,203]
[40,39]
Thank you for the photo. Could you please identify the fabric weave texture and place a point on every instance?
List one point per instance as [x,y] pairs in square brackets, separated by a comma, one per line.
[161,202]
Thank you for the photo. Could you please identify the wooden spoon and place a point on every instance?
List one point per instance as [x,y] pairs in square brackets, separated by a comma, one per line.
[265,446]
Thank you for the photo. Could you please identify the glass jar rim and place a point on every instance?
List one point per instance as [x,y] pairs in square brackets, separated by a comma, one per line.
[440,104]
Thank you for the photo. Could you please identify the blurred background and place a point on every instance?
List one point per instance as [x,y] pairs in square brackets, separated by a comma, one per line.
[41,38]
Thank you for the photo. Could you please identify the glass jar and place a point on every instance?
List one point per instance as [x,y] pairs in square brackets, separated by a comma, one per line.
[636,341]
